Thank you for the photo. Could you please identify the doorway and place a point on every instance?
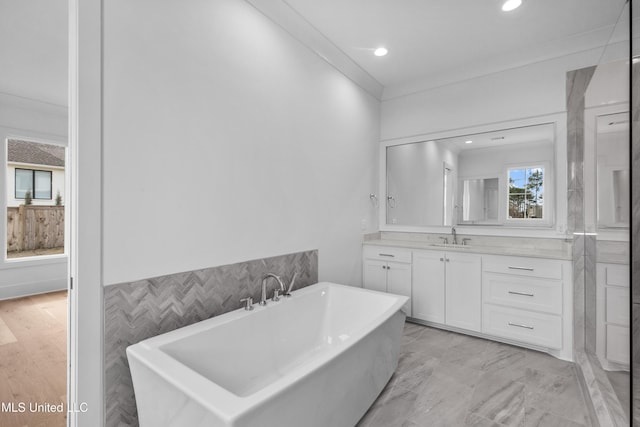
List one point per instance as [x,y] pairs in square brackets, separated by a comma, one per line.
[34,100]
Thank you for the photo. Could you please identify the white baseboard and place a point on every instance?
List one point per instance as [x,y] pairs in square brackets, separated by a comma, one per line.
[32,288]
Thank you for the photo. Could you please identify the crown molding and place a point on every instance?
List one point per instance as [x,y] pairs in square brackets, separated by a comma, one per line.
[300,29]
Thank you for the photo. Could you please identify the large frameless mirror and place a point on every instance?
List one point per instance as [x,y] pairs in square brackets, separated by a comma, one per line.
[503,177]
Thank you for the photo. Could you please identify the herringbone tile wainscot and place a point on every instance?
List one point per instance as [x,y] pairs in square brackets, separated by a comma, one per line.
[138,310]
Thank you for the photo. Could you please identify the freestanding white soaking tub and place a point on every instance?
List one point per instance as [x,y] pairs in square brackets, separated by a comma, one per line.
[319,358]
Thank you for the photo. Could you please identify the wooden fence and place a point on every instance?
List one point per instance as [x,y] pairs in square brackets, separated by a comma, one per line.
[34,227]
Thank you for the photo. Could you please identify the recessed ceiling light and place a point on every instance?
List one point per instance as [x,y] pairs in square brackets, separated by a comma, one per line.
[381,51]
[511,4]
[468,142]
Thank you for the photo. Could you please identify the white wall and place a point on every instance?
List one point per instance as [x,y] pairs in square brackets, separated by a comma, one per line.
[529,91]
[226,140]
[23,118]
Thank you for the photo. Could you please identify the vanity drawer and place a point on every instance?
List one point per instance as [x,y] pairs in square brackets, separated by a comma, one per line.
[617,305]
[521,266]
[523,292]
[527,326]
[385,253]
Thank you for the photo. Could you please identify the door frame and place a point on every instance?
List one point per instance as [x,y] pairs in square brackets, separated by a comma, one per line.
[85,329]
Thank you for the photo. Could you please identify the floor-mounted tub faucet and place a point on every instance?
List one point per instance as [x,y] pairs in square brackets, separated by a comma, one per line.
[265,279]
[455,236]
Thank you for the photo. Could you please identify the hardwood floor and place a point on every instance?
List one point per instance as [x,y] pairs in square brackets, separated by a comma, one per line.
[33,354]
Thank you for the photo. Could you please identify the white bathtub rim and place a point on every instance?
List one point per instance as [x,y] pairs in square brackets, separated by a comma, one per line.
[229,406]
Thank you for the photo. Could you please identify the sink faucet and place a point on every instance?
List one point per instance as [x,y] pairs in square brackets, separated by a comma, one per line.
[455,237]
[265,279]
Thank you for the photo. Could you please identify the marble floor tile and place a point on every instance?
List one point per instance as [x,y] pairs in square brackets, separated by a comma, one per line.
[440,397]
[538,418]
[430,343]
[450,380]
[393,412]
[499,398]
[562,397]
[621,383]
[413,370]
[498,357]
[411,332]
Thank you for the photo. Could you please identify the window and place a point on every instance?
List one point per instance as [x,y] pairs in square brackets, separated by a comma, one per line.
[526,193]
[37,182]
[35,196]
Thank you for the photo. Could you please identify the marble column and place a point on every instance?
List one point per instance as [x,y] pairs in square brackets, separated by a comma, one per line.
[577,83]
[635,239]
[606,405]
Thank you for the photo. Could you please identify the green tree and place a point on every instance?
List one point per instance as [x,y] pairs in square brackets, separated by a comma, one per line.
[516,200]
[534,186]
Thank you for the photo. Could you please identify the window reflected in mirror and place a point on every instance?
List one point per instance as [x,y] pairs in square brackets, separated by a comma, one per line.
[526,193]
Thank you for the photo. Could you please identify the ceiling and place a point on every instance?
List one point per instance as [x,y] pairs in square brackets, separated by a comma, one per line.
[427,39]
[433,38]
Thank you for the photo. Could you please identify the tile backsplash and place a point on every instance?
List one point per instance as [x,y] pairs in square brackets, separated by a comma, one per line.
[138,310]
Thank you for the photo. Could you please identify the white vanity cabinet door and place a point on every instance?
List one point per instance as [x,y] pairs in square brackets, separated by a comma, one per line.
[617,305]
[375,275]
[428,286]
[399,282]
[618,349]
[387,269]
[612,315]
[463,290]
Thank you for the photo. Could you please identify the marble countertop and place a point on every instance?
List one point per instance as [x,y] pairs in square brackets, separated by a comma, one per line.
[478,249]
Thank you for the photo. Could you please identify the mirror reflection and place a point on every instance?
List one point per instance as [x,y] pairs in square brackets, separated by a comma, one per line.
[479,201]
[613,176]
[502,177]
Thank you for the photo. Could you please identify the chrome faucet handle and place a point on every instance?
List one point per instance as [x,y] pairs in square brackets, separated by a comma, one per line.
[276,296]
[445,240]
[293,280]
[248,303]
[465,240]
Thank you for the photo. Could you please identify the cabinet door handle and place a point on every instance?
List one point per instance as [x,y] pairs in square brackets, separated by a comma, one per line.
[447,260]
[441,259]
[389,255]
[384,267]
[521,293]
[520,326]
[520,268]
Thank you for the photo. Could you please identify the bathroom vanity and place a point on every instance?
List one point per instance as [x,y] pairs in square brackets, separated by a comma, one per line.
[612,316]
[507,293]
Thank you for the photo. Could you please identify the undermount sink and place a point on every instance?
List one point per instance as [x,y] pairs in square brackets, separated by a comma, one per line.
[450,245]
